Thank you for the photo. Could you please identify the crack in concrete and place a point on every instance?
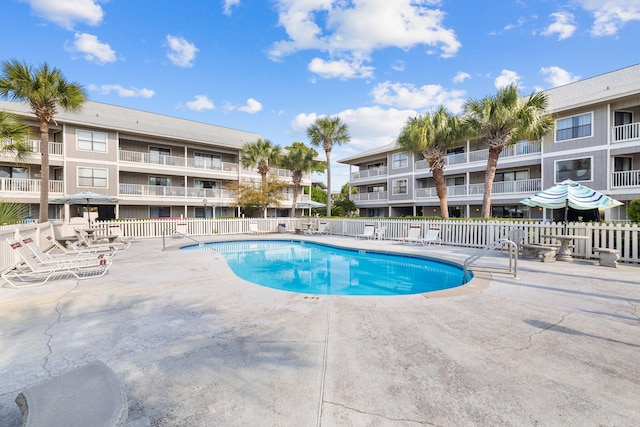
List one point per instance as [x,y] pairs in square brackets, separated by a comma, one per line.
[541,331]
[426,423]
[54,323]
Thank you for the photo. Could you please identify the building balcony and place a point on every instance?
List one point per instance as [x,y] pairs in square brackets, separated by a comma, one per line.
[369,173]
[626,179]
[190,163]
[28,186]
[522,148]
[369,197]
[625,133]
[526,186]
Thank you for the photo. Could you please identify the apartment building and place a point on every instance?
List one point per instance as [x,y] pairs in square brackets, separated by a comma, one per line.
[596,141]
[157,166]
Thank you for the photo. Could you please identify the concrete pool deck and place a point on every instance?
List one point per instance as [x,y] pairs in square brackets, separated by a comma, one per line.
[194,345]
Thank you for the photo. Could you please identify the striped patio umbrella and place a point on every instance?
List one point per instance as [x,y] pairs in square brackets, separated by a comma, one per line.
[570,194]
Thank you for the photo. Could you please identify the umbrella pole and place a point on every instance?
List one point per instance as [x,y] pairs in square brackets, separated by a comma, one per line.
[566,216]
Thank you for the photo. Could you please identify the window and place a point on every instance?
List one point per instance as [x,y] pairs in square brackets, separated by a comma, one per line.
[511,176]
[375,165]
[457,150]
[160,180]
[575,169]
[454,180]
[400,186]
[14,172]
[375,189]
[156,155]
[400,160]
[206,184]
[92,141]
[622,164]
[207,161]
[573,127]
[160,212]
[622,118]
[89,177]
[517,211]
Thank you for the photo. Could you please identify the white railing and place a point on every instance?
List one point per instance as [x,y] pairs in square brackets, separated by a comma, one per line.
[508,187]
[628,132]
[208,164]
[21,185]
[369,173]
[174,191]
[625,179]
[375,195]
[430,192]
[464,233]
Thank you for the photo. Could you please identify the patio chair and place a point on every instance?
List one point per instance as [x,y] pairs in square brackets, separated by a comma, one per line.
[413,235]
[369,232]
[323,229]
[60,249]
[28,245]
[431,237]
[380,232]
[31,272]
[253,228]
[85,241]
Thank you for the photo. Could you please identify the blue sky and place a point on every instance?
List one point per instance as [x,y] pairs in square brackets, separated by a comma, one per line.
[274,66]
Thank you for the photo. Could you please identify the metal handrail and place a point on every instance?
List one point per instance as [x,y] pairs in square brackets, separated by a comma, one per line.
[513,256]
[174,231]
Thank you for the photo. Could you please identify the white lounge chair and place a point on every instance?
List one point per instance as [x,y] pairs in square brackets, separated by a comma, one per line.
[323,229]
[414,234]
[50,258]
[517,236]
[431,237]
[253,228]
[84,240]
[369,232]
[31,272]
[380,232]
[74,250]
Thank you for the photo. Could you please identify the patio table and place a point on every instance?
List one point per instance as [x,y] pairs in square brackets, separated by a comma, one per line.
[564,252]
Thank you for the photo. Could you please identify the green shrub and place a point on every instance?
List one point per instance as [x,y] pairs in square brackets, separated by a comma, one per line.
[633,211]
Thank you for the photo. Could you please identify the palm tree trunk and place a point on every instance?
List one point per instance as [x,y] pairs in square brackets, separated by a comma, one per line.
[328,153]
[296,189]
[44,172]
[489,175]
[441,190]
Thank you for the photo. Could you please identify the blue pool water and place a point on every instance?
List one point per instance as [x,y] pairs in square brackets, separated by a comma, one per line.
[313,268]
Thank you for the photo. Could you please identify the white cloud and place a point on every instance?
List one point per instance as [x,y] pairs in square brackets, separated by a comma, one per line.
[252,106]
[351,31]
[341,69]
[557,76]
[200,103]
[461,76]
[67,12]
[564,25]
[122,92]
[405,95]
[181,52]
[228,5]
[611,15]
[92,49]
[398,65]
[507,78]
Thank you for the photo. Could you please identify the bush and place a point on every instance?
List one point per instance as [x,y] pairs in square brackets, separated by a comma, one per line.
[633,211]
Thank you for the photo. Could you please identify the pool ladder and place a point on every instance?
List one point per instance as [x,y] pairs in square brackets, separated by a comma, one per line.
[173,231]
[500,243]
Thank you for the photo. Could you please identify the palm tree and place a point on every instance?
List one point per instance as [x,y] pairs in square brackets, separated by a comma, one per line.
[431,135]
[326,132]
[45,90]
[502,120]
[300,160]
[13,136]
[261,154]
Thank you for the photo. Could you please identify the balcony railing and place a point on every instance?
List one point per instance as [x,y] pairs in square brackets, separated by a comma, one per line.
[369,173]
[430,192]
[628,132]
[363,197]
[508,187]
[625,179]
[55,148]
[521,148]
[177,161]
[174,191]
[20,185]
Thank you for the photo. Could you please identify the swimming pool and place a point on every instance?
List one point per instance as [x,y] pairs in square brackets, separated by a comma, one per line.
[312,268]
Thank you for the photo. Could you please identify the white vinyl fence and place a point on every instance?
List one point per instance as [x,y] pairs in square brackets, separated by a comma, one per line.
[623,237]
